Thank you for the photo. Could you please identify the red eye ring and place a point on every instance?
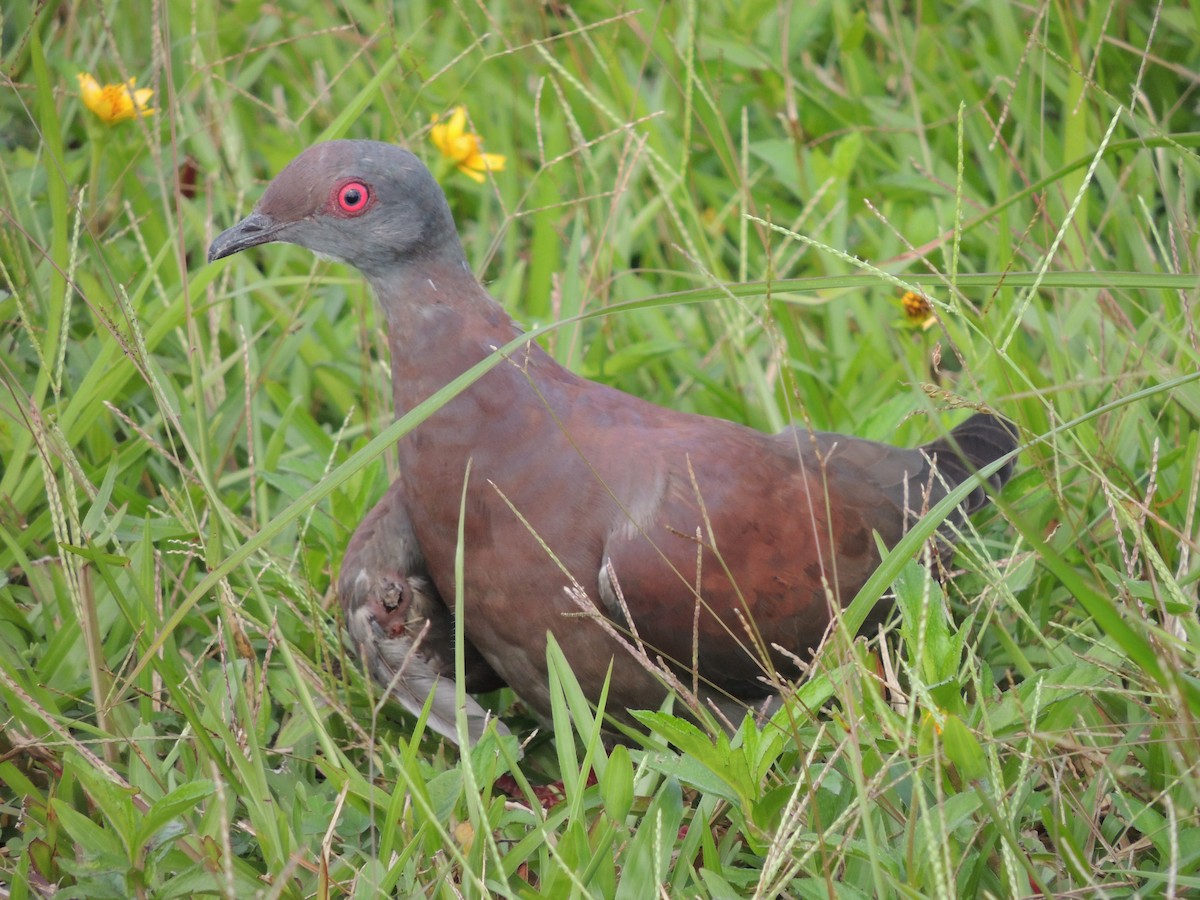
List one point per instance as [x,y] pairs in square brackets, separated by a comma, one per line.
[352,198]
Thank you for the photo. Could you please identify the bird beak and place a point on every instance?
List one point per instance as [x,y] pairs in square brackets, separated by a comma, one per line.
[257,228]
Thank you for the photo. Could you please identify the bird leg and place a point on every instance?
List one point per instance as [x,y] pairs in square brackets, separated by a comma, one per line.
[399,625]
[388,605]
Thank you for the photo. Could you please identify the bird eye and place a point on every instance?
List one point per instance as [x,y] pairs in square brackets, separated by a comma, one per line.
[353,197]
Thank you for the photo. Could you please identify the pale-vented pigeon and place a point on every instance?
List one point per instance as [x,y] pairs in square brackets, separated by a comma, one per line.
[713,543]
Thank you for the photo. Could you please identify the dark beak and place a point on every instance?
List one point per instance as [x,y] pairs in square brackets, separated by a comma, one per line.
[253,230]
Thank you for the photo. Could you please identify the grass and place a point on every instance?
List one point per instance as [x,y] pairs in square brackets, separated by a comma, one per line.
[713,206]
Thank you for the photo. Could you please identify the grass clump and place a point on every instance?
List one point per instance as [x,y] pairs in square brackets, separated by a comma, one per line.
[725,205]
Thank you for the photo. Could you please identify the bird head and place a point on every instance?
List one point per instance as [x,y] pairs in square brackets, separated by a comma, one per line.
[369,204]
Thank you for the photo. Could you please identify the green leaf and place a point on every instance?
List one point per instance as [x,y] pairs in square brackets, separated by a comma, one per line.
[102,845]
[616,783]
[178,802]
[963,750]
[713,753]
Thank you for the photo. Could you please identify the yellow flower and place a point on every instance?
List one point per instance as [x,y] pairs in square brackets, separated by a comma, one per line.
[462,147]
[114,102]
[918,310]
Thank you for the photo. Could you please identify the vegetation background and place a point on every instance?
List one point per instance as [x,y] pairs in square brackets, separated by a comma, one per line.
[183,444]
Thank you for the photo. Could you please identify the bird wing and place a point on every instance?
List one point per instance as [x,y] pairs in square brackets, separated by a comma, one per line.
[751,539]
[399,625]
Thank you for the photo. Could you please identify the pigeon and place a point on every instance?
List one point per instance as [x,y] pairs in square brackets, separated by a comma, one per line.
[659,548]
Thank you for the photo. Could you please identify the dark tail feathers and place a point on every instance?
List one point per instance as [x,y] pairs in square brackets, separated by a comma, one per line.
[980,440]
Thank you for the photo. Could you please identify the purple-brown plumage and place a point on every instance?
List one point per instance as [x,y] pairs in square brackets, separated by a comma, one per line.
[685,511]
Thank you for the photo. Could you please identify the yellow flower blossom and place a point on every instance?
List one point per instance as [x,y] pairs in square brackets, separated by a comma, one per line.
[115,102]
[463,147]
[918,310]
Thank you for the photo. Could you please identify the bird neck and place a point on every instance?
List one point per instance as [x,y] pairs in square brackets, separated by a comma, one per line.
[440,323]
